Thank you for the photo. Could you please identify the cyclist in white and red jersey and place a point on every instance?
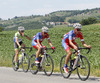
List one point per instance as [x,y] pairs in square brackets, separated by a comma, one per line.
[69,41]
[18,42]
[37,41]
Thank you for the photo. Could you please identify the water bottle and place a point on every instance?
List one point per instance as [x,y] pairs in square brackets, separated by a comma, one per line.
[20,58]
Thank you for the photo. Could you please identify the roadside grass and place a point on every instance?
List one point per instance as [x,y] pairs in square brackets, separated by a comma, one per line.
[91,35]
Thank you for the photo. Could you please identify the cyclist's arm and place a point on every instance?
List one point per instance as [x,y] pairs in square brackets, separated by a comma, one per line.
[25,35]
[70,41]
[38,43]
[49,41]
[83,42]
[85,45]
[74,46]
[17,42]
[28,38]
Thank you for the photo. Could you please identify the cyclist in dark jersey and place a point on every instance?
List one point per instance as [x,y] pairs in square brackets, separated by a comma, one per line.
[69,41]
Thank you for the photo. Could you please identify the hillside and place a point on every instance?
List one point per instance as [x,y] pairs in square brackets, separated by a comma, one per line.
[91,36]
[37,21]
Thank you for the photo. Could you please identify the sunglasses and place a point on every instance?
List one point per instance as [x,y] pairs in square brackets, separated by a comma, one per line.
[78,29]
[45,33]
[22,31]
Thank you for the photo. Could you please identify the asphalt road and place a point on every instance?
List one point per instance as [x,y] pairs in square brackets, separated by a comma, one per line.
[8,75]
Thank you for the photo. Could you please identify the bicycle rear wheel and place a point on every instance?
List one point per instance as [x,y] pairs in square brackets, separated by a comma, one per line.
[48,65]
[83,68]
[13,63]
[62,62]
[33,67]
[25,63]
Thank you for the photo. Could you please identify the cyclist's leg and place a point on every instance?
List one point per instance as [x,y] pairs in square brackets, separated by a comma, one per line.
[16,54]
[35,45]
[67,49]
[17,50]
[23,49]
[73,48]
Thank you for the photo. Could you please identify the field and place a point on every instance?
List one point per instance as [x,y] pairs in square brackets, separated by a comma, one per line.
[91,35]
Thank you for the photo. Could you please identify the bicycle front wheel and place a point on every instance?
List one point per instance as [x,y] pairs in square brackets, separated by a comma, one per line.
[62,62]
[83,68]
[25,63]
[33,66]
[48,65]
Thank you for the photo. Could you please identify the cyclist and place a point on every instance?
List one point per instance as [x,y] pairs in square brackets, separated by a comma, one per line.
[37,41]
[69,41]
[18,42]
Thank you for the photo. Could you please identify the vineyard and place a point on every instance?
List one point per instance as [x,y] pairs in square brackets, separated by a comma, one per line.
[91,35]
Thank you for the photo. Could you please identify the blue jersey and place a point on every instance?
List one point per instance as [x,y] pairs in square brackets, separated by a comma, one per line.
[40,37]
[71,36]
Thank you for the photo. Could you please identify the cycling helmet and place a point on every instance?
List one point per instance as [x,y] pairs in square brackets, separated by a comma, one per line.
[45,29]
[77,26]
[21,28]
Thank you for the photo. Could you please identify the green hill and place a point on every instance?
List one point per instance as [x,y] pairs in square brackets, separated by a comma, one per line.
[91,36]
[37,21]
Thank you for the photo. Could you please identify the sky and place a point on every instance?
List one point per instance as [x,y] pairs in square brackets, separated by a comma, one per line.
[12,8]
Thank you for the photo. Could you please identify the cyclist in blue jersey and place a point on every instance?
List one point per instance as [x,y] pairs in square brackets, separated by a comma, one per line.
[37,41]
[18,42]
[69,41]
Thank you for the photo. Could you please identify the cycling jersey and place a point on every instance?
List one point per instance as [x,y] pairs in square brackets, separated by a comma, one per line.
[40,37]
[71,36]
[19,36]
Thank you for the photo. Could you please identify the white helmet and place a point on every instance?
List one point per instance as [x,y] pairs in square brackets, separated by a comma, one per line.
[77,26]
[45,29]
[21,28]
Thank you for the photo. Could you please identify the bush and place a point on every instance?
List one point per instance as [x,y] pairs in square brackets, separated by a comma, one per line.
[90,20]
[73,21]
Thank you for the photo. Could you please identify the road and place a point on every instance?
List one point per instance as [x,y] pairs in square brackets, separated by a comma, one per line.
[8,75]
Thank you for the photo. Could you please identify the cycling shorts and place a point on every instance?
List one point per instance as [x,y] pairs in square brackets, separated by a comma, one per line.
[16,46]
[66,45]
[34,44]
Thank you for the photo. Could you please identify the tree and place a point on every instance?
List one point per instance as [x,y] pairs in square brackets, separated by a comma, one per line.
[73,21]
[90,20]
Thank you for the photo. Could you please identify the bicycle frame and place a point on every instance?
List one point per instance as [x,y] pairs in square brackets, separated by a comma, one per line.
[78,58]
[44,52]
[43,58]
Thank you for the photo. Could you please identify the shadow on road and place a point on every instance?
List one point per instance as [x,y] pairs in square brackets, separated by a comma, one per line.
[76,77]
[73,77]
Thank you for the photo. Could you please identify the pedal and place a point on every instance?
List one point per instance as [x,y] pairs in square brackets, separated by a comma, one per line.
[48,64]
[82,67]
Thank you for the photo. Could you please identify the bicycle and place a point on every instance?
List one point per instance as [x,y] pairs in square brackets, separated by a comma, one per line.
[23,59]
[46,63]
[81,63]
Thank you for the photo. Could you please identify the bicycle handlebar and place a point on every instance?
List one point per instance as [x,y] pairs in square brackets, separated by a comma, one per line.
[42,50]
[49,48]
[85,48]
[27,48]
[80,48]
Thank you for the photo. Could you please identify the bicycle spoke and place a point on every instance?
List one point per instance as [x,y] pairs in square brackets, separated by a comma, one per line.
[62,62]
[25,63]
[48,65]
[33,67]
[84,69]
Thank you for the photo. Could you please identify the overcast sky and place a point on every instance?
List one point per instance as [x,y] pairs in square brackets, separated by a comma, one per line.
[12,8]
